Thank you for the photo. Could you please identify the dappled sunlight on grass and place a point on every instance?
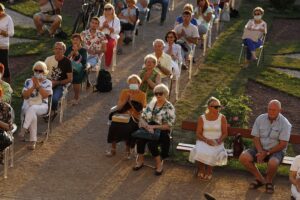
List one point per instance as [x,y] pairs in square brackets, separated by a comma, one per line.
[26,7]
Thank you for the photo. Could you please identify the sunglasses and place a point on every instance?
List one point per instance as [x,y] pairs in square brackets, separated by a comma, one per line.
[215,107]
[39,70]
[158,93]
[257,14]
[107,8]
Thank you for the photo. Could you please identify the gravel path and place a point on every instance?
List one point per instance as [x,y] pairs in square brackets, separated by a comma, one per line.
[294,73]
[20,20]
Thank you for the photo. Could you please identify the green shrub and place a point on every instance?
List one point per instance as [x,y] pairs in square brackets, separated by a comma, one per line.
[236,108]
[282,4]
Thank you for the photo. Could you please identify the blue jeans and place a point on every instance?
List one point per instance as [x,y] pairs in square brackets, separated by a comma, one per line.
[164,11]
[251,46]
[57,94]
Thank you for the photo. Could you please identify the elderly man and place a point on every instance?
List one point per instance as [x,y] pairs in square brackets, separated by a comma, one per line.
[60,73]
[187,34]
[49,13]
[164,61]
[271,133]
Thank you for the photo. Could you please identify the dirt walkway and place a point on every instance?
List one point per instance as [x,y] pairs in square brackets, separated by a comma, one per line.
[72,165]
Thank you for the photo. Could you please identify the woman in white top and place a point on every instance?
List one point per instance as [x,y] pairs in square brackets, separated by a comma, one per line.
[211,132]
[295,178]
[203,14]
[253,33]
[110,26]
[6,31]
[35,93]
[174,50]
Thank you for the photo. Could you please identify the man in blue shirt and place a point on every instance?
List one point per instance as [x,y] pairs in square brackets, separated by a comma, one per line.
[271,133]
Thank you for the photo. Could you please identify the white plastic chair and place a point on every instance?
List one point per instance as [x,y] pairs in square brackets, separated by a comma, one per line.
[114,59]
[191,57]
[8,153]
[260,55]
[134,33]
[62,102]
[207,37]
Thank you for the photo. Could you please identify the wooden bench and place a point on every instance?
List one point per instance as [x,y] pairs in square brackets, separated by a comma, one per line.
[246,133]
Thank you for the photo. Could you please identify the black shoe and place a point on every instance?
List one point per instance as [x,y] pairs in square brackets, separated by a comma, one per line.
[184,67]
[158,173]
[209,196]
[138,167]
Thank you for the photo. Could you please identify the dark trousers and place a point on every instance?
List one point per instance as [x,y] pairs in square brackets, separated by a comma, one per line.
[164,3]
[163,142]
[4,61]
[57,94]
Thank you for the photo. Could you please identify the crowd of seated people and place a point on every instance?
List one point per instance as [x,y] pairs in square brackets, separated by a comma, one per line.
[145,102]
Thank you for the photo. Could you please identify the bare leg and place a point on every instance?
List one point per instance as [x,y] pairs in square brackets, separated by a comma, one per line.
[272,169]
[38,23]
[247,160]
[158,163]
[140,159]
[76,88]
[201,169]
[253,55]
[55,25]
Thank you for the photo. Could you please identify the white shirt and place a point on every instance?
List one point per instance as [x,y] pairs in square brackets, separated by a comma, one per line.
[6,24]
[296,168]
[45,84]
[166,62]
[176,49]
[190,31]
[115,24]
[51,63]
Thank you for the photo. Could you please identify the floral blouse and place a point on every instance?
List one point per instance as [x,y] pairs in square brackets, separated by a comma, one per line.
[93,42]
[7,91]
[6,113]
[144,86]
[163,115]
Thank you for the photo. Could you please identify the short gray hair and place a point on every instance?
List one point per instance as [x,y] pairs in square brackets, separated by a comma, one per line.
[150,56]
[134,76]
[62,44]
[161,88]
[159,41]
[260,9]
[41,64]
[275,101]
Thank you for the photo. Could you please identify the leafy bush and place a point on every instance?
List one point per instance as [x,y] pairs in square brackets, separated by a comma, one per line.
[282,4]
[236,108]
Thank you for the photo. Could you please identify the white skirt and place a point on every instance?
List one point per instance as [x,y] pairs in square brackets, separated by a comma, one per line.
[209,155]
[295,193]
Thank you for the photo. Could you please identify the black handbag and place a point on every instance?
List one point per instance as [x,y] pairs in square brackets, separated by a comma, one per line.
[144,134]
[5,140]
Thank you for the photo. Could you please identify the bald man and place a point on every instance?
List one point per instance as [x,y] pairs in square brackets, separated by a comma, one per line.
[271,133]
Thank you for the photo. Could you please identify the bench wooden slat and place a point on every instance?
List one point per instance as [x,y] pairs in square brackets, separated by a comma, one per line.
[186,145]
[183,148]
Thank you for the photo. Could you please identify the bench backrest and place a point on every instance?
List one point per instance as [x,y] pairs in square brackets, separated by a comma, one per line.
[192,126]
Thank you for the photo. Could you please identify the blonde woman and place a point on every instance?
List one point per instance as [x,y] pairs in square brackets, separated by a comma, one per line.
[35,94]
[211,132]
[110,26]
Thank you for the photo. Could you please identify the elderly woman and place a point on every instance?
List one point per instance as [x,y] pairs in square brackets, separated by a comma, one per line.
[295,178]
[203,13]
[35,93]
[131,101]
[6,31]
[128,18]
[150,77]
[253,33]
[6,113]
[7,91]
[78,56]
[159,115]
[110,26]
[174,50]
[211,132]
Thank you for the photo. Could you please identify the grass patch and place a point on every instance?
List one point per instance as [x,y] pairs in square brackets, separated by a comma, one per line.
[286,62]
[280,81]
[22,32]
[25,7]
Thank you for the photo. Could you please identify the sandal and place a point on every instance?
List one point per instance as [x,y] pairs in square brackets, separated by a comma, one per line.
[201,175]
[269,188]
[138,167]
[256,184]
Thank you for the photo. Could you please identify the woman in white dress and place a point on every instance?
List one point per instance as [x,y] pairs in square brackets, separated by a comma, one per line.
[211,132]
[295,178]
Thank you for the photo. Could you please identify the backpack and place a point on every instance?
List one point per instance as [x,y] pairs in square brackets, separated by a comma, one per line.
[5,140]
[104,83]
[238,145]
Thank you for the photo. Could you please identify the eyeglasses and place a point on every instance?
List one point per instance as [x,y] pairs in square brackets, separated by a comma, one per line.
[107,8]
[38,70]
[257,14]
[158,93]
[215,107]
